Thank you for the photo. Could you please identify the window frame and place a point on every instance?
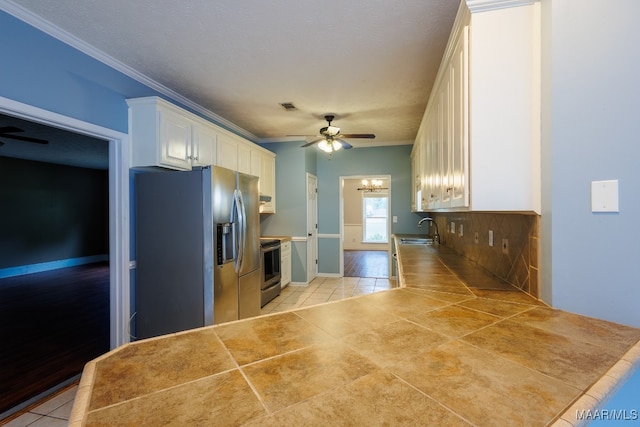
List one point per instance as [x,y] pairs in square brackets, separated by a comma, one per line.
[375,195]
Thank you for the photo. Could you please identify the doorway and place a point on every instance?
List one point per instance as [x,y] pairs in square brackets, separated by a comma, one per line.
[117,183]
[372,264]
[365,227]
[312,227]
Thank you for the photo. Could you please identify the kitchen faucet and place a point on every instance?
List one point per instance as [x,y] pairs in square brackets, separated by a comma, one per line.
[437,235]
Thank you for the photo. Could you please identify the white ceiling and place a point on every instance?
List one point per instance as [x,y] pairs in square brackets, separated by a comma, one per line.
[370,62]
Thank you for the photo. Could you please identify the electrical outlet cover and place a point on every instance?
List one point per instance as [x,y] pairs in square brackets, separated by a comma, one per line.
[604,196]
[505,246]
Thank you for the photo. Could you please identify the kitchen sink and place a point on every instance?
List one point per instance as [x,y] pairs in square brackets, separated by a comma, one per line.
[416,241]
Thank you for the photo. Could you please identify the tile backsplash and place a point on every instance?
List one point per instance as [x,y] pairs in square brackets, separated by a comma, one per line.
[514,254]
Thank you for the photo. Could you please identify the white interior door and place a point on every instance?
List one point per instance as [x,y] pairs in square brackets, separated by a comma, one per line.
[312,227]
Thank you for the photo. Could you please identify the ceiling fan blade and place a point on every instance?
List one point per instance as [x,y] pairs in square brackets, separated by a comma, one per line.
[344,143]
[357,135]
[315,141]
[10,129]
[24,138]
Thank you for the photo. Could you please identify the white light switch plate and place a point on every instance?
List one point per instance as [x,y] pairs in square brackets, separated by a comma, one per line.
[604,196]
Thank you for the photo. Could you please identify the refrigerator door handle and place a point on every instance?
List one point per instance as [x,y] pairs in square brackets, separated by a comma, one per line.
[236,232]
[236,219]
[243,229]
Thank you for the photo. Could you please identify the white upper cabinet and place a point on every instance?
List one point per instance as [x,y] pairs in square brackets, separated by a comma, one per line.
[440,162]
[160,135]
[480,138]
[165,135]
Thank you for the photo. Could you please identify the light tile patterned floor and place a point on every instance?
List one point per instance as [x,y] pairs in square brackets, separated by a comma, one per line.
[325,289]
[53,412]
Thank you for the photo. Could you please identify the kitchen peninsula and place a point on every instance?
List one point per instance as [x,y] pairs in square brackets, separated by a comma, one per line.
[440,350]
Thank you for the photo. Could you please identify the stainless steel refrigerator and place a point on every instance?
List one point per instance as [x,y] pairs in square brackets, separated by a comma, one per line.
[197,249]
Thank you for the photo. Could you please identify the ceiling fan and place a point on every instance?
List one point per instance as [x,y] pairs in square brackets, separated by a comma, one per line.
[330,138]
[8,131]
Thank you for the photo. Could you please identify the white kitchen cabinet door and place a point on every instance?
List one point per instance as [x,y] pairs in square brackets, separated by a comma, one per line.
[227,152]
[244,158]
[459,161]
[256,164]
[432,162]
[203,151]
[444,126]
[285,263]
[416,176]
[175,140]
[268,182]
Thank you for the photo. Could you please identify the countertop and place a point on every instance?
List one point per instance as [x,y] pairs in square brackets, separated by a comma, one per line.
[451,347]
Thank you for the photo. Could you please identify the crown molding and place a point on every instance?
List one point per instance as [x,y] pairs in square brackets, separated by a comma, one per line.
[49,28]
[486,5]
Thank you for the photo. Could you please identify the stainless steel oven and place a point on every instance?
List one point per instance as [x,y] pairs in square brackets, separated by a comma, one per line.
[270,286]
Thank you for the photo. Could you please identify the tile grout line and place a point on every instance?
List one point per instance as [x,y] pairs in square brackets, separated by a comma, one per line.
[602,390]
[432,398]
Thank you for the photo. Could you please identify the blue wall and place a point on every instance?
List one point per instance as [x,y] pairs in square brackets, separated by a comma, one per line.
[591,64]
[53,214]
[392,160]
[49,74]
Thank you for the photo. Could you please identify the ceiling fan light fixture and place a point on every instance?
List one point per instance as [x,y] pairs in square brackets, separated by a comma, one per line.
[331,139]
[329,146]
[324,146]
[372,187]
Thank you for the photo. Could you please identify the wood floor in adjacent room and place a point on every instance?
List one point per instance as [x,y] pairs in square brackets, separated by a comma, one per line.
[366,264]
[52,324]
